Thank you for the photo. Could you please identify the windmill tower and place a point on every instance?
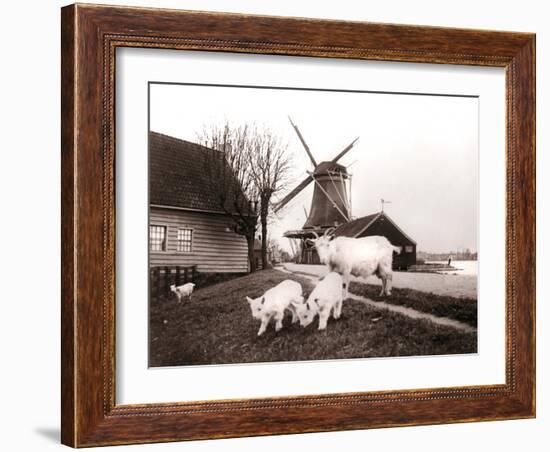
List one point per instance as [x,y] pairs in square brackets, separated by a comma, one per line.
[330,204]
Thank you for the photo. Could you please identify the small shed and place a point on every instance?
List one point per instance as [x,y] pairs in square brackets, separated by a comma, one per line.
[381,224]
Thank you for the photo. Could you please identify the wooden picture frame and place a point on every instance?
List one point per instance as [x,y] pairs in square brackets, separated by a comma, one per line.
[90,36]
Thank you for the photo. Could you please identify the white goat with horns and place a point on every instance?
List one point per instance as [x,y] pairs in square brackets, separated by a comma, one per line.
[361,257]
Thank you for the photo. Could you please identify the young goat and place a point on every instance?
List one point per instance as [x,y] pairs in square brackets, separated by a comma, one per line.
[274,302]
[183,291]
[327,296]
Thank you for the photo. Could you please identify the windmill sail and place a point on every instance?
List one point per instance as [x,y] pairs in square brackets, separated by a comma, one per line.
[344,151]
[283,202]
[304,144]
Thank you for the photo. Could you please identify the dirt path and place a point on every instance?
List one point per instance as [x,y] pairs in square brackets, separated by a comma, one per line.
[409,312]
[453,285]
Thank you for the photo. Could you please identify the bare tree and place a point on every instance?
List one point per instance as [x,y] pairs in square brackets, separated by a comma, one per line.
[227,166]
[270,171]
[253,165]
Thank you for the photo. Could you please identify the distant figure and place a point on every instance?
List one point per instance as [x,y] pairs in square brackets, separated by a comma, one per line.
[449,261]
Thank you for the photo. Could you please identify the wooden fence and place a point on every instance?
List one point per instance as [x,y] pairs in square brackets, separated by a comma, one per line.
[161,278]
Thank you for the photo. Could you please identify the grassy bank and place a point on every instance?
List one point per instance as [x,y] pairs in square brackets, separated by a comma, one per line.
[216,327]
[461,309]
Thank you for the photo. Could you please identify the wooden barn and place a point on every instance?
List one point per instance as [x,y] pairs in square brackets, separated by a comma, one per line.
[187,226]
[381,224]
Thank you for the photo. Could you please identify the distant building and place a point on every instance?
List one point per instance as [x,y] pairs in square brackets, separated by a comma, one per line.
[381,224]
[187,225]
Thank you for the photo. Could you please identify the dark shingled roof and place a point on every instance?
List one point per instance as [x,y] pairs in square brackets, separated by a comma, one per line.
[359,226]
[354,227]
[177,176]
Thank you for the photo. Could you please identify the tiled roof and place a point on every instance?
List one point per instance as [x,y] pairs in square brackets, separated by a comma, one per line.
[178,175]
[354,227]
[360,226]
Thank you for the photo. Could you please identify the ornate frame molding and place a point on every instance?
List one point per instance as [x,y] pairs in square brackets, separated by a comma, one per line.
[90,37]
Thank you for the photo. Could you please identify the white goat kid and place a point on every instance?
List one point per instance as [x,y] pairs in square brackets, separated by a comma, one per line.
[273,303]
[326,297]
[361,257]
[183,291]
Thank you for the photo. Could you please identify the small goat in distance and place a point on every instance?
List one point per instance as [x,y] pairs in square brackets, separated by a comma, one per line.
[183,291]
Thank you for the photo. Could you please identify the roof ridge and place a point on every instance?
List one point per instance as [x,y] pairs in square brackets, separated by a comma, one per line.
[181,140]
[375,217]
[398,228]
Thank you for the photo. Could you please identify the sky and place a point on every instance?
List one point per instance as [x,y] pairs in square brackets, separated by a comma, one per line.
[418,151]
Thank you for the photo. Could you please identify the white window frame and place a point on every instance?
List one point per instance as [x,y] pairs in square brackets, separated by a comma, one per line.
[192,231]
[165,227]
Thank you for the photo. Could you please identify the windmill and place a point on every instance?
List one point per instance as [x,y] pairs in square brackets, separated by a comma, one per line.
[330,204]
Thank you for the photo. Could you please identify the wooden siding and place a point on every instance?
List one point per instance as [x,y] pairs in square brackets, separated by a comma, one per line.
[214,249]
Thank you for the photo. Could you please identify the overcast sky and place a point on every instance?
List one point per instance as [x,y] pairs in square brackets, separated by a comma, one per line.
[419,152]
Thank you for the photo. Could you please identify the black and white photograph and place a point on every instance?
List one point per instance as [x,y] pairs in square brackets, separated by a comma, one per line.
[295,224]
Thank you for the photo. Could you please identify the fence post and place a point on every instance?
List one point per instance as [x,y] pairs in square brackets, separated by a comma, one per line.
[167,280]
[193,273]
[157,281]
[185,270]
[151,282]
[178,275]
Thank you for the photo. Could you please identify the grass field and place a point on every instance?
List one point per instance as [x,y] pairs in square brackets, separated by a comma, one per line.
[216,327]
[461,309]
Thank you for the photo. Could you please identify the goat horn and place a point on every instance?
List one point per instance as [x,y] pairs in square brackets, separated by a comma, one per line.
[315,234]
[328,231]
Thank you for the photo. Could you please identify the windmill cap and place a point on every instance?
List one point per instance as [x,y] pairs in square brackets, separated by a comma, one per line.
[324,167]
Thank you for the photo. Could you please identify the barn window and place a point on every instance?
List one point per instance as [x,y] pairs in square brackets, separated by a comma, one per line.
[157,238]
[408,249]
[185,239]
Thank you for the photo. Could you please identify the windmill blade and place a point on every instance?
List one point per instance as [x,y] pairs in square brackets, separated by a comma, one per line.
[283,202]
[306,147]
[349,146]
